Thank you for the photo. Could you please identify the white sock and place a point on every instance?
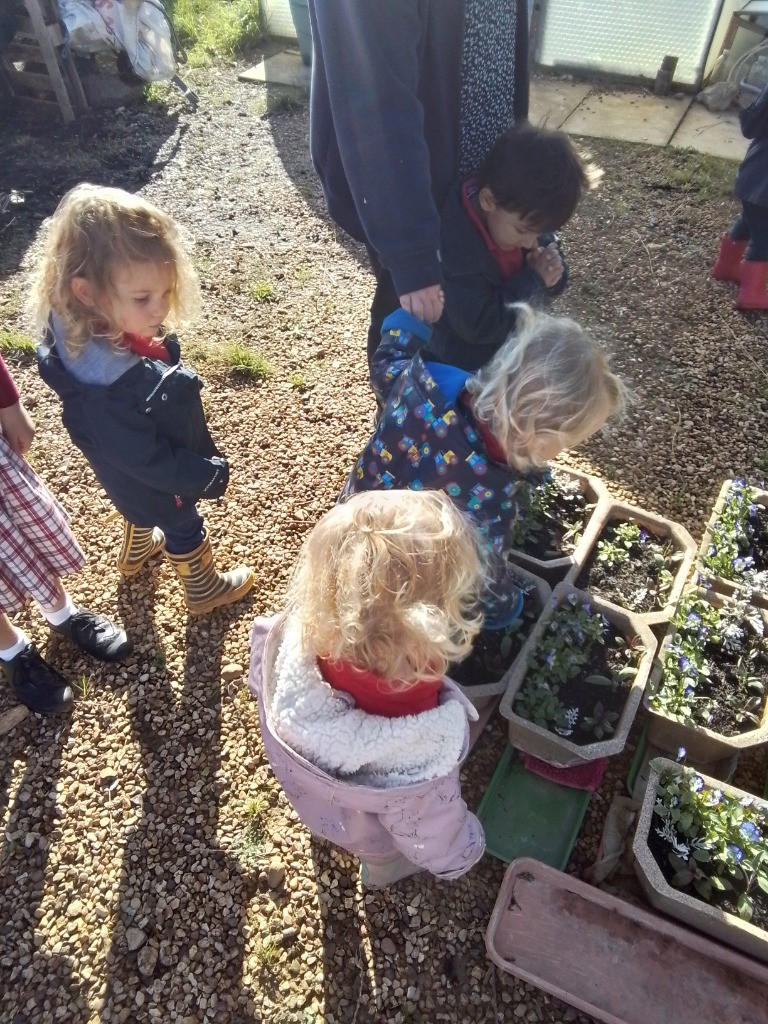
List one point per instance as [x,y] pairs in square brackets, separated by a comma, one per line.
[68,609]
[7,653]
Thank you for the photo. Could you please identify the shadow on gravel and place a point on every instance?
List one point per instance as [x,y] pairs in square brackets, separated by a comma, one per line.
[41,160]
[35,750]
[179,938]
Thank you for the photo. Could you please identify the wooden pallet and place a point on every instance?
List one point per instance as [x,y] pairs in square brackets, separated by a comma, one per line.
[34,74]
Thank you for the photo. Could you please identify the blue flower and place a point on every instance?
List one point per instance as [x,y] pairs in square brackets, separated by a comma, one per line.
[750,830]
[692,619]
[712,550]
[698,784]
[715,796]
[643,536]
[684,664]
[753,510]
[738,484]
[736,852]
[681,753]
[688,691]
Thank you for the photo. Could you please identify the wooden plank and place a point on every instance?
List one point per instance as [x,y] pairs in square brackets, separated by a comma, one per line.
[32,80]
[51,59]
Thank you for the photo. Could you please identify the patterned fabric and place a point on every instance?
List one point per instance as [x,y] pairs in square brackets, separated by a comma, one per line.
[428,439]
[487,79]
[36,542]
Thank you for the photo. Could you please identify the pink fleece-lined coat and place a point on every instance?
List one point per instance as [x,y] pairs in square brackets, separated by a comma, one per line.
[377,787]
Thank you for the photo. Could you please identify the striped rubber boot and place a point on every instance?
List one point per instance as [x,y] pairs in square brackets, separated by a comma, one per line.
[140,543]
[204,587]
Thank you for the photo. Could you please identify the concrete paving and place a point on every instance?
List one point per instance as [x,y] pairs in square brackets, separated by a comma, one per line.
[581,108]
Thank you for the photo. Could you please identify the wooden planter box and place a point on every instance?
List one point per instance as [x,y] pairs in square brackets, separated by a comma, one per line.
[617,962]
[699,914]
[663,529]
[718,583]
[549,746]
[485,693]
[703,746]
[554,570]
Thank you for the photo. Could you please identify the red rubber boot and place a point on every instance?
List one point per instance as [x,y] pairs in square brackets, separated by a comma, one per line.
[753,294]
[728,265]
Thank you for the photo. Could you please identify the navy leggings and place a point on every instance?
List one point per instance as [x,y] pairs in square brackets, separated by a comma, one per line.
[186,534]
[385,301]
[752,224]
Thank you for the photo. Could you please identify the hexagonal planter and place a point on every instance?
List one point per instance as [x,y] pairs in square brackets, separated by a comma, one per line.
[703,746]
[617,962]
[664,530]
[527,736]
[538,594]
[554,569]
[720,584]
[697,913]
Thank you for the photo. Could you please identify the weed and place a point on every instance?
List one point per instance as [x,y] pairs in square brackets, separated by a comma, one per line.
[20,346]
[159,660]
[245,363]
[298,383]
[304,273]
[762,464]
[211,30]
[267,955]
[677,502]
[251,840]
[286,102]
[85,687]
[708,176]
[262,291]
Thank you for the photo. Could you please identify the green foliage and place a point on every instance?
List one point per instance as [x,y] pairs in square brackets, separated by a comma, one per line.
[251,840]
[298,383]
[624,540]
[556,502]
[212,30]
[262,291]
[718,844]
[16,345]
[707,176]
[731,539]
[245,363]
[702,633]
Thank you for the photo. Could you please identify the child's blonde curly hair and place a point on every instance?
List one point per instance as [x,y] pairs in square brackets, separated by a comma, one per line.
[548,387]
[389,581]
[94,230]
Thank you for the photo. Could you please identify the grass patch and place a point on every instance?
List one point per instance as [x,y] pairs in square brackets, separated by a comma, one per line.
[251,841]
[211,30]
[304,273]
[16,345]
[262,291]
[267,954]
[708,176]
[243,362]
[298,383]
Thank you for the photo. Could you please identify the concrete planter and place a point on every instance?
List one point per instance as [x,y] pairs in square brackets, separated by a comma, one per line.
[540,593]
[664,530]
[549,746]
[718,583]
[703,746]
[699,914]
[619,963]
[554,570]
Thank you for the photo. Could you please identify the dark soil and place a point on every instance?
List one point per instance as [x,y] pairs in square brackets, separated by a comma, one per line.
[552,536]
[731,694]
[487,663]
[633,584]
[725,901]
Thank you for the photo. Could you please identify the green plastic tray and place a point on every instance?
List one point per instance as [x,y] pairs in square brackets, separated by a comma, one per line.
[526,816]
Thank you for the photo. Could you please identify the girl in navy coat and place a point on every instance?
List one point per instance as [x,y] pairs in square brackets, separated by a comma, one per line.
[744,248]
[112,271]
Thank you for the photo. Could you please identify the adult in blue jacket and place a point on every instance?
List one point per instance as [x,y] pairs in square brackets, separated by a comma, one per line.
[407,95]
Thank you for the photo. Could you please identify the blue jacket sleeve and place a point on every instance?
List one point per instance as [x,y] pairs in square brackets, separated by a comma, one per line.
[402,337]
[370,56]
[754,118]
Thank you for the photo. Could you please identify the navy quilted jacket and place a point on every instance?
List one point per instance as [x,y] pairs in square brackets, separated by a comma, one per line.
[752,177]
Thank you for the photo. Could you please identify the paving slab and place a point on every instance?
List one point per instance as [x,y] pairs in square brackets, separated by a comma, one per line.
[283,68]
[552,100]
[708,132]
[628,116]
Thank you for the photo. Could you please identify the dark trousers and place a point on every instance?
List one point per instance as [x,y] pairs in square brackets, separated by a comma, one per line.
[385,301]
[752,224]
[186,534]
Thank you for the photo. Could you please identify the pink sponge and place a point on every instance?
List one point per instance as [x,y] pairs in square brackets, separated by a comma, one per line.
[580,776]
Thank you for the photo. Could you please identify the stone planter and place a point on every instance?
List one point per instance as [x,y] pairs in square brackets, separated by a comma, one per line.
[554,570]
[549,746]
[699,914]
[486,693]
[664,530]
[619,963]
[703,746]
[718,583]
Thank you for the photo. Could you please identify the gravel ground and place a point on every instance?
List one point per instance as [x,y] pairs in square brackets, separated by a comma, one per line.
[151,868]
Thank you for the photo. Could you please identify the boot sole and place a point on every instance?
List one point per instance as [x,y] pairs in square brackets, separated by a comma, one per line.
[222,600]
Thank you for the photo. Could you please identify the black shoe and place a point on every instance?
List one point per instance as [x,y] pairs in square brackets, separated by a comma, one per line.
[96,635]
[36,684]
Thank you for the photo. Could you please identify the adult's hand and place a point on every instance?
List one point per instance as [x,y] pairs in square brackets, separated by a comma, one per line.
[17,428]
[425,304]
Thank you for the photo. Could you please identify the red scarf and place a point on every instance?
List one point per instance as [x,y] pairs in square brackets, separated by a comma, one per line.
[376,695]
[141,346]
[509,261]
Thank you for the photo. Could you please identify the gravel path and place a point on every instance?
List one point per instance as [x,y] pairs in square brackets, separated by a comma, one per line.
[151,869]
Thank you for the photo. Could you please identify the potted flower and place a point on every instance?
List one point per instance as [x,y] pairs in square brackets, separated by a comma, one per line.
[701,855]
[554,513]
[734,550]
[483,674]
[636,560]
[573,692]
[707,691]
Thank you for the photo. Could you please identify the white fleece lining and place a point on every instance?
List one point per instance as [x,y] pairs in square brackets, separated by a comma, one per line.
[322,726]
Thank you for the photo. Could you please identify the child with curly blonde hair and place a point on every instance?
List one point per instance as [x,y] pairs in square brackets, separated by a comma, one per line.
[360,725]
[475,436]
[112,279]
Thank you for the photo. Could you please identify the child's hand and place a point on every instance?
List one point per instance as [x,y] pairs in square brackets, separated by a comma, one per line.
[17,428]
[547,262]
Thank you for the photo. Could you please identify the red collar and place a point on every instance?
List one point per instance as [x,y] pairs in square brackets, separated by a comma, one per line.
[509,261]
[491,445]
[376,695]
[147,347]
